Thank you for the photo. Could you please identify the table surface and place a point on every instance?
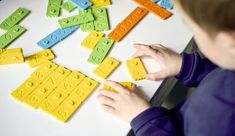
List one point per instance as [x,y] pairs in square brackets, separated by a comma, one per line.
[89,120]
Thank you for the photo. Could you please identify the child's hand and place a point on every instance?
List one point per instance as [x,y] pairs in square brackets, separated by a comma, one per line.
[126,104]
[170,62]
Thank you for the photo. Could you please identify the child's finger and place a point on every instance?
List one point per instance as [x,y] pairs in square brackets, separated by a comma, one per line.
[105,100]
[139,53]
[149,52]
[116,86]
[108,93]
[141,46]
[108,108]
[158,46]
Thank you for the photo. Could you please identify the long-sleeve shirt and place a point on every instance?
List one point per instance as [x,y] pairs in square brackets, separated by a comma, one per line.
[209,111]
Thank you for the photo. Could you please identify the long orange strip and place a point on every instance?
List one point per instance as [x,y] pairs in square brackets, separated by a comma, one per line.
[127,24]
[154,8]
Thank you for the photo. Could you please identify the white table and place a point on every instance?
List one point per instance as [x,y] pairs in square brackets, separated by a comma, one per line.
[17,119]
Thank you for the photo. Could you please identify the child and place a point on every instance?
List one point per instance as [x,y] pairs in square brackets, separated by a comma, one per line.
[210,110]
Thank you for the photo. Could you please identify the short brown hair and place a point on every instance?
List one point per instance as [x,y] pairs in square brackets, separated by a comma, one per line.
[212,15]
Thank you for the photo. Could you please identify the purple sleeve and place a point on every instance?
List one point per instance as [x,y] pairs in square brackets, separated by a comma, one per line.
[153,122]
[194,69]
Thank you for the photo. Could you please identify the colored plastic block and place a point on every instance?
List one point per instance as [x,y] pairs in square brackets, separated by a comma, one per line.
[43,90]
[53,8]
[91,40]
[81,4]
[89,26]
[85,88]
[68,6]
[25,89]
[75,20]
[100,3]
[127,24]
[167,4]
[106,67]
[100,51]
[11,56]
[11,35]
[101,19]
[86,27]
[74,79]
[53,100]
[61,92]
[154,8]
[43,71]
[71,103]
[127,85]
[136,69]
[56,36]
[14,18]
[40,57]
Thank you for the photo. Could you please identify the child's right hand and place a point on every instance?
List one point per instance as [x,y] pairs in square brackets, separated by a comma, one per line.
[170,62]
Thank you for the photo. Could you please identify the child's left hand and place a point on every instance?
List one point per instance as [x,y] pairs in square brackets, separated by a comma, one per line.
[126,104]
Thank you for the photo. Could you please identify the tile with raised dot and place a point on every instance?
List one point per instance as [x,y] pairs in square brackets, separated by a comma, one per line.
[40,57]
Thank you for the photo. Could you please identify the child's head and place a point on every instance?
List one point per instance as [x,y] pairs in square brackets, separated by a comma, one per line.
[213,26]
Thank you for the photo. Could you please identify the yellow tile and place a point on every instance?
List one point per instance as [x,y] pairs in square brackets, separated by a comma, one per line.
[127,85]
[40,57]
[11,56]
[63,90]
[67,108]
[57,76]
[106,67]
[38,95]
[24,89]
[53,100]
[91,40]
[71,82]
[98,3]
[41,92]
[86,87]
[136,69]
[71,103]
[43,71]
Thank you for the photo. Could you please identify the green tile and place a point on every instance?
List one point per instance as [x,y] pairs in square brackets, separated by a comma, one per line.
[100,51]
[14,18]
[75,20]
[101,19]
[68,6]
[53,8]
[11,35]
